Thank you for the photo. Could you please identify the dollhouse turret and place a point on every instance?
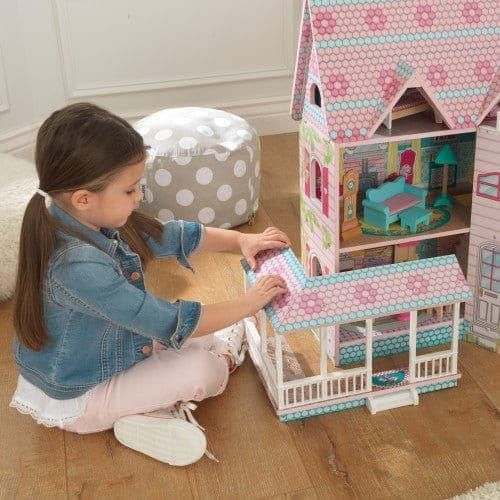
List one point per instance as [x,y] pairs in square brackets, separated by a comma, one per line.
[380,88]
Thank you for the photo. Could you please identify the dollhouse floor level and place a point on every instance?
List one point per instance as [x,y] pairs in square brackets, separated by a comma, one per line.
[459,223]
[358,402]
[354,333]
[389,340]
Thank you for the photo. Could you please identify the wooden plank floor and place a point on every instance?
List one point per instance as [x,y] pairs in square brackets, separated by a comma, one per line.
[447,445]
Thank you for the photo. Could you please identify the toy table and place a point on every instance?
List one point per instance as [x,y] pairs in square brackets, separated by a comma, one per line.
[414,216]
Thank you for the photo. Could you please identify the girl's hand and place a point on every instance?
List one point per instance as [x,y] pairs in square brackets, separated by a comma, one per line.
[266,288]
[252,244]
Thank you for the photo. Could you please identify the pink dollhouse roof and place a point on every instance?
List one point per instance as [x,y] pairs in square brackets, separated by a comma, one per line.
[357,295]
[370,51]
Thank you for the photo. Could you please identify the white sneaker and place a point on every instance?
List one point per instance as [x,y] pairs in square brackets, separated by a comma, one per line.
[169,435]
[231,341]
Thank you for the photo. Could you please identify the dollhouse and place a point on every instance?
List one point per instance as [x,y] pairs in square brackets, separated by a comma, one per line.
[398,163]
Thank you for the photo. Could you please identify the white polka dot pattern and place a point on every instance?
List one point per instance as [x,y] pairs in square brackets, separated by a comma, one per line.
[204,176]
[240,167]
[240,206]
[206,215]
[163,134]
[224,192]
[163,177]
[185,197]
[188,142]
[202,165]
[222,122]
[244,134]
[207,131]
[182,160]
[148,195]
[165,215]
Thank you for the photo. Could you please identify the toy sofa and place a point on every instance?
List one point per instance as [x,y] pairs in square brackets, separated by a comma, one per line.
[384,204]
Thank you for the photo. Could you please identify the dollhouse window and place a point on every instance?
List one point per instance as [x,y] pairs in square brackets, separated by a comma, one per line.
[488,186]
[316,267]
[490,269]
[315,95]
[317,181]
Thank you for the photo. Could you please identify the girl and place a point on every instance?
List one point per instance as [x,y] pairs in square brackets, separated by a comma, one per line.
[95,350]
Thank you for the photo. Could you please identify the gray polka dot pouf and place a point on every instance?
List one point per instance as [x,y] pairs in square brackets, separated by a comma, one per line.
[203,164]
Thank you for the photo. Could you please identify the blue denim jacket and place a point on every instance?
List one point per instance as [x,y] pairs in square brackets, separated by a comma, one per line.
[97,312]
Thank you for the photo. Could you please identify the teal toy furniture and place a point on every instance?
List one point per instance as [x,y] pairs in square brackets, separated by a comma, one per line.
[445,157]
[414,216]
[384,204]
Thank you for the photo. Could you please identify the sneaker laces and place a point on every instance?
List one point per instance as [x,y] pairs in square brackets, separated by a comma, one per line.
[184,411]
[232,342]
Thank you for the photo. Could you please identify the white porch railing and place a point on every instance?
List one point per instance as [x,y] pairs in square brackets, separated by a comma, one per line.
[433,365]
[318,388]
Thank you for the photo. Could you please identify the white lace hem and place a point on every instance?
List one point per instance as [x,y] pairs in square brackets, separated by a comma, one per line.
[30,400]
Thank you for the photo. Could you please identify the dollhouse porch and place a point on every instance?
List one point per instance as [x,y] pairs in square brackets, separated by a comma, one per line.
[324,302]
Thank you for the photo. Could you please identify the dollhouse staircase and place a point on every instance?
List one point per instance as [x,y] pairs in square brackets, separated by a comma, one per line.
[405,397]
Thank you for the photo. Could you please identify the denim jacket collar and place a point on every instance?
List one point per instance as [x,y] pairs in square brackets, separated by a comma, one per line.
[106,239]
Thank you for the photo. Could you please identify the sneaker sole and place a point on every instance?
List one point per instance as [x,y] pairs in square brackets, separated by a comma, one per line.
[171,441]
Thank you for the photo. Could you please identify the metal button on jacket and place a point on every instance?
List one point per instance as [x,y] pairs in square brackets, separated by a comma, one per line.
[135,276]
[146,349]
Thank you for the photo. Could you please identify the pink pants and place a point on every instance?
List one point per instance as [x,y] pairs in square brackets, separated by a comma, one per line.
[168,376]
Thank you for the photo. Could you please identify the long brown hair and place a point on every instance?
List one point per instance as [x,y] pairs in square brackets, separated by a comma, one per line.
[80,146]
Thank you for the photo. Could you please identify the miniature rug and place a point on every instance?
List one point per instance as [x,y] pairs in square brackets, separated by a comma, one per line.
[390,378]
[439,217]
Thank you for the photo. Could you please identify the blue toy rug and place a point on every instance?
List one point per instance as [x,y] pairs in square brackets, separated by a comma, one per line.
[439,217]
[391,378]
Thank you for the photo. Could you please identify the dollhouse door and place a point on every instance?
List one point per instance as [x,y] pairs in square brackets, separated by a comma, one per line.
[407,164]
[487,307]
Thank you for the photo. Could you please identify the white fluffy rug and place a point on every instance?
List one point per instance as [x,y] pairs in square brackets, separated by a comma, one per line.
[488,491]
[18,181]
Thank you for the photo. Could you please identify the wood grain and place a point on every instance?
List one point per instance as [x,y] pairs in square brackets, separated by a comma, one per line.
[446,445]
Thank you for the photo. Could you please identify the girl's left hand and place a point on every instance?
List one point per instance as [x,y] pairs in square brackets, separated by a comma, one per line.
[252,244]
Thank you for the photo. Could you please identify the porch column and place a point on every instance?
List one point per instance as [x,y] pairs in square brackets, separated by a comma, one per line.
[454,337]
[323,361]
[279,369]
[369,353]
[263,332]
[323,365]
[412,347]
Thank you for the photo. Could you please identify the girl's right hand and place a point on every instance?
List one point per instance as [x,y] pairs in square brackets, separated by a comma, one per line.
[266,288]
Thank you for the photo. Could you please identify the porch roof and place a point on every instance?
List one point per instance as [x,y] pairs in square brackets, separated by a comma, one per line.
[356,295]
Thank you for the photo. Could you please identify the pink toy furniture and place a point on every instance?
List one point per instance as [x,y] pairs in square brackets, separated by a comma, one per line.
[385,204]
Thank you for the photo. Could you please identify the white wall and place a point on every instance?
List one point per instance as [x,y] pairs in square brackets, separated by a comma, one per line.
[135,57]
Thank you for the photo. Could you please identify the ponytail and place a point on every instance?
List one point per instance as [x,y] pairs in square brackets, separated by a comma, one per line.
[79,146]
[138,227]
[38,234]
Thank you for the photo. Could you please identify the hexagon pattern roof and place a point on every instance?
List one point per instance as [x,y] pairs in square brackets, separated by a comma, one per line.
[370,51]
[356,295]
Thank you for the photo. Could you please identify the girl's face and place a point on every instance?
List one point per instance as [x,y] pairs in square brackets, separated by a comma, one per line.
[112,206]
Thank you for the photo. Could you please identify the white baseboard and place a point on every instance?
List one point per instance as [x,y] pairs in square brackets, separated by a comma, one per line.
[20,142]
[268,116]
